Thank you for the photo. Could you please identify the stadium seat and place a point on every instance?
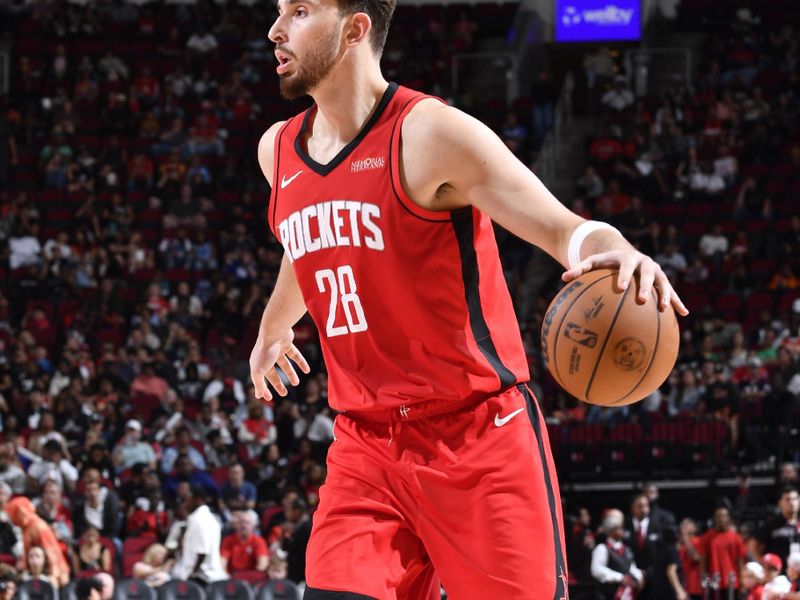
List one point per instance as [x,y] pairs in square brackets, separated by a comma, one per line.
[36,589]
[282,589]
[132,551]
[134,589]
[181,590]
[232,589]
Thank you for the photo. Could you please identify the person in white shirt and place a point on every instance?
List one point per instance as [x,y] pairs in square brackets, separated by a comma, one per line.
[714,242]
[53,466]
[200,557]
[613,566]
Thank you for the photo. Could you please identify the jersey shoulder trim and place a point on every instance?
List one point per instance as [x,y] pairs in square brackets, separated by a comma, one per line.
[276,159]
[394,167]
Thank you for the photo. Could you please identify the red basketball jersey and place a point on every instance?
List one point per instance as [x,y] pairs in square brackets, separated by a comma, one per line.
[411,304]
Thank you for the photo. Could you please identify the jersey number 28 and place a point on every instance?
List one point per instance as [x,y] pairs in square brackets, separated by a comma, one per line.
[342,285]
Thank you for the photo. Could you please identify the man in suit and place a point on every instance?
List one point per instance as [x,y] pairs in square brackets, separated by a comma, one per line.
[643,534]
[659,514]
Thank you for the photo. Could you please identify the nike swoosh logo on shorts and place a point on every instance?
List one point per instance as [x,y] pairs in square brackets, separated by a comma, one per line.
[285,182]
[499,422]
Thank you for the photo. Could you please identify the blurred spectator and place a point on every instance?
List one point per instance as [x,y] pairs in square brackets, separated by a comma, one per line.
[244,550]
[722,550]
[237,494]
[200,548]
[613,566]
[90,554]
[297,534]
[52,509]
[185,472]
[9,544]
[752,578]
[619,97]
[780,534]
[774,582]
[36,532]
[53,467]
[98,508]
[131,450]
[182,447]
[154,568]
[148,517]
[10,472]
[89,588]
[690,558]
[185,211]
[643,537]
[544,95]
[107,585]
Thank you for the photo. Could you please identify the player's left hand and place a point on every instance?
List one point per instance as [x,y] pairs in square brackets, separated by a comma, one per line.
[630,263]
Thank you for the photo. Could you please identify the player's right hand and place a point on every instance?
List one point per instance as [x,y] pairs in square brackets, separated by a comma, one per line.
[267,356]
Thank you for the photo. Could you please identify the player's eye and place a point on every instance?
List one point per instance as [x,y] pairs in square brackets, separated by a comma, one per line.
[300,12]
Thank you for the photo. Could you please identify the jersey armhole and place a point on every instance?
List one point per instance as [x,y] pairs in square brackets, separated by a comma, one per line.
[394,167]
[276,159]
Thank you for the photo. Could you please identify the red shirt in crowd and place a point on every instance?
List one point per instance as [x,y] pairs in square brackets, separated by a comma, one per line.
[724,551]
[691,569]
[242,554]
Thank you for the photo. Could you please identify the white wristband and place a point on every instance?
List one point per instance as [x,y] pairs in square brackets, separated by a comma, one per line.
[580,233]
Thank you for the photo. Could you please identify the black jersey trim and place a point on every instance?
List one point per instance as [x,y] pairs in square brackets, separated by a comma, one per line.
[463,225]
[323,170]
[397,193]
[275,172]
[534,415]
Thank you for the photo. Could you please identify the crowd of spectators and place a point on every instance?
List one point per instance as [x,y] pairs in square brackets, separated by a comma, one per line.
[136,262]
[703,177]
[648,553]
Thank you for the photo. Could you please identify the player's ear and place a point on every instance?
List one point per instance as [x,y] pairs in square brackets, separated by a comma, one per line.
[358,29]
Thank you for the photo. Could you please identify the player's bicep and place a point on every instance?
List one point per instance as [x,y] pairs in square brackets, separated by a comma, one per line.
[482,171]
[266,150]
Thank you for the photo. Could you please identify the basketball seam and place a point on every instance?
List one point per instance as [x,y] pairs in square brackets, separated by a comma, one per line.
[605,341]
[652,357]
[566,312]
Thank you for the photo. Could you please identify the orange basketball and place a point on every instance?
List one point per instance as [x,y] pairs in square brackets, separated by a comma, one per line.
[604,347]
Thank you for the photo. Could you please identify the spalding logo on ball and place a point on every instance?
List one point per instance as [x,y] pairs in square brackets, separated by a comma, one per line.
[605,348]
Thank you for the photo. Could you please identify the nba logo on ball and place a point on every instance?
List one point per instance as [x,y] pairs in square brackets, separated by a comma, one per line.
[626,353]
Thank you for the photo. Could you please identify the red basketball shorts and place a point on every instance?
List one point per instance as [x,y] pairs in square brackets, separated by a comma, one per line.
[468,497]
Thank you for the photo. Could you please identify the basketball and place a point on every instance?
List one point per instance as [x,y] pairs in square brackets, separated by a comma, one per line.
[604,347]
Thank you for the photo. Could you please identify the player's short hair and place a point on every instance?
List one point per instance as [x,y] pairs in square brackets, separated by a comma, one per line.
[380,13]
[787,489]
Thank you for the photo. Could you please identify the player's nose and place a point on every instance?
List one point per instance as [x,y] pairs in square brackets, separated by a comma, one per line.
[277,33]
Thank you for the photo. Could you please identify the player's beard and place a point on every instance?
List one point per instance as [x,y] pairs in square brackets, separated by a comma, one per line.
[316,65]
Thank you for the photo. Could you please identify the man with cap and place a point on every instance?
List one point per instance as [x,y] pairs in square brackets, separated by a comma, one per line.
[131,449]
[774,582]
[613,565]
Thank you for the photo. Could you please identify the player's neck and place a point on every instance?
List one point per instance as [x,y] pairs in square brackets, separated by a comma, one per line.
[345,100]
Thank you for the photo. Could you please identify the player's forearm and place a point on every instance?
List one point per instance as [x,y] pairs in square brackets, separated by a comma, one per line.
[285,307]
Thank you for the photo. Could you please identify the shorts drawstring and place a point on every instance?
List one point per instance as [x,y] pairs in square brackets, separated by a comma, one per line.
[394,423]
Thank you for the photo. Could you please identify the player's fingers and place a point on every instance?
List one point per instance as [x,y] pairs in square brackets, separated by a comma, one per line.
[678,305]
[647,275]
[298,358]
[627,266]
[587,264]
[664,290]
[261,389]
[274,379]
[287,368]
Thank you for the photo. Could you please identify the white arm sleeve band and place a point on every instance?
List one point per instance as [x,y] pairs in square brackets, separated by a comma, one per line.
[580,233]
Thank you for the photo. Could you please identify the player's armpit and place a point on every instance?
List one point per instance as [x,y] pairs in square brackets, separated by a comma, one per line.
[266,149]
[450,160]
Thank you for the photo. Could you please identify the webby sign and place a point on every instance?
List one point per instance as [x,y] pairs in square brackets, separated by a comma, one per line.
[597,20]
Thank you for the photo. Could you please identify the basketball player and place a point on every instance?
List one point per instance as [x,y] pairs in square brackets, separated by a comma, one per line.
[383,199]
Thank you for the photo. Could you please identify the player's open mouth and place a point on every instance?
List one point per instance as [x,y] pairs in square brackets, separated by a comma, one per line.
[284,61]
